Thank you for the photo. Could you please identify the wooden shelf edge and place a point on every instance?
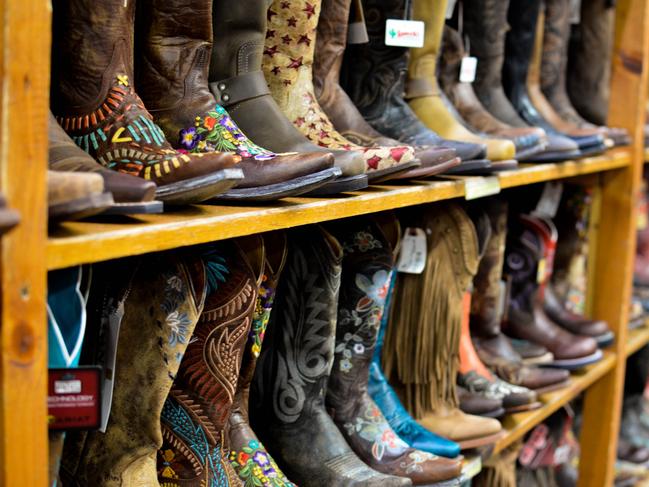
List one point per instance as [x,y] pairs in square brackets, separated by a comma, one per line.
[636,339]
[517,425]
[75,243]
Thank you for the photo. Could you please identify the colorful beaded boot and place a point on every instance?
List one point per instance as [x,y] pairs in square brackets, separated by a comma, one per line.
[95,103]
[288,65]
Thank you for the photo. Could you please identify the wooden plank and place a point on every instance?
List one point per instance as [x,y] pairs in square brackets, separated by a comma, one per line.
[614,255]
[636,339]
[24,74]
[83,242]
[518,425]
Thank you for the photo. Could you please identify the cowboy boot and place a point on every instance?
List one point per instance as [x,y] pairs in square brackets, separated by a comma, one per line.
[131,195]
[554,64]
[95,103]
[172,75]
[424,95]
[528,141]
[485,25]
[288,66]
[330,47]
[158,300]
[248,457]
[425,326]
[288,390]
[237,81]
[196,412]
[73,196]
[367,263]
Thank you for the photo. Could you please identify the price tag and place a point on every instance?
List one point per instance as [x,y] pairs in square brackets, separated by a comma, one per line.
[468,69]
[73,398]
[412,257]
[479,187]
[450,8]
[549,202]
[404,33]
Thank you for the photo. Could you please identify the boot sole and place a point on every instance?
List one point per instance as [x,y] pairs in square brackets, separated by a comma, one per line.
[466,167]
[199,189]
[545,359]
[576,363]
[550,157]
[525,407]
[293,187]
[494,168]
[137,208]
[345,184]
[393,172]
[552,387]
[80,208]
[428,171]
[482,441]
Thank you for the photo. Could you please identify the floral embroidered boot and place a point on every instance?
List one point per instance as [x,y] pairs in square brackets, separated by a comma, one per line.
[248,457]
[157,301]
[288,66]
[94,101]
[367,264]
[173,78]
[196,413]
[287,408]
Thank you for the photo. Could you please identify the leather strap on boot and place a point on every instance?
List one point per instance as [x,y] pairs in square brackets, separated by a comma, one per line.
[234,90]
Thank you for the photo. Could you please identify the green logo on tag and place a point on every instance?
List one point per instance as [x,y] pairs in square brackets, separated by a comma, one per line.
[393,33]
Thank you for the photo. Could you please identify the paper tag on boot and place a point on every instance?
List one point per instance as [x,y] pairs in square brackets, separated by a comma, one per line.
[412,256]
[357,33]
[468,69]
[73,398]
[404,33]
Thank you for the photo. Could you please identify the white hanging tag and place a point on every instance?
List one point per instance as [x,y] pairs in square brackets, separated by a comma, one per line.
[404,33]
[479,187]
[450,8]
[549,202]
[575,11]
[412,257]
[468,69]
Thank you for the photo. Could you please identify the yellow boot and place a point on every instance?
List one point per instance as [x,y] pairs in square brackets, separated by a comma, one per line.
[423,92]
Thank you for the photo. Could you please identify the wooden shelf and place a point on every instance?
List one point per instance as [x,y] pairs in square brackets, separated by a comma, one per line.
[75,243]
[517,425]
[636,339]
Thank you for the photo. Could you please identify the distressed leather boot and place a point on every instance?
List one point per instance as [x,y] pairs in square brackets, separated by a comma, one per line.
[95,103]
[172,70]
[288,66]
[424,95]
[74,195]
[378,93]
[289,388]
[554,65]
[330,47]
[157,300]
[422,340]
[248,457]
[196,412]
[528,141]
[367,263]
[238,83]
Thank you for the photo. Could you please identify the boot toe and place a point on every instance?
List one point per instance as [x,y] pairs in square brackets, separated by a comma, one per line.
[578,347]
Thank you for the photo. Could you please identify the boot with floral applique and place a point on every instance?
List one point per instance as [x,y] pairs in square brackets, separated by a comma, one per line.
[94,101]
[196,412]
[288,66]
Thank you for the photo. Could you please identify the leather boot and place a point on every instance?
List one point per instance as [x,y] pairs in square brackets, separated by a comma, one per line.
[196,413]
[554,64]
[238,83]
[367,263]
[378,93]
[172,76]
[479,404]
[73,195]
[528,141]
[131,195]
[248,457]
[330,47]
[288,66]
[157,300]
[94,101]
[289,387]
[424,95]
[425,328]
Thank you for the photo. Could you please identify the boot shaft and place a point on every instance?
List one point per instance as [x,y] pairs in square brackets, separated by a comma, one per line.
[423,61]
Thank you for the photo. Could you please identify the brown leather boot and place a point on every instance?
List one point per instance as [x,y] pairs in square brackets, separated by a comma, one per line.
[172,70]
[330,48]
[367,264]
[196,412]
[94,101]
[73,195]
[248,457]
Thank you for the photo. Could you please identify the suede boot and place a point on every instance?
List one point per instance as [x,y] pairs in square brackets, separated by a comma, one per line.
[330,47]
[367,263]
[94,101]
[238,83]
[378,93]
[196,412]
[172,76]
[424,94]
[290,383]
[158,300]
[288,66]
